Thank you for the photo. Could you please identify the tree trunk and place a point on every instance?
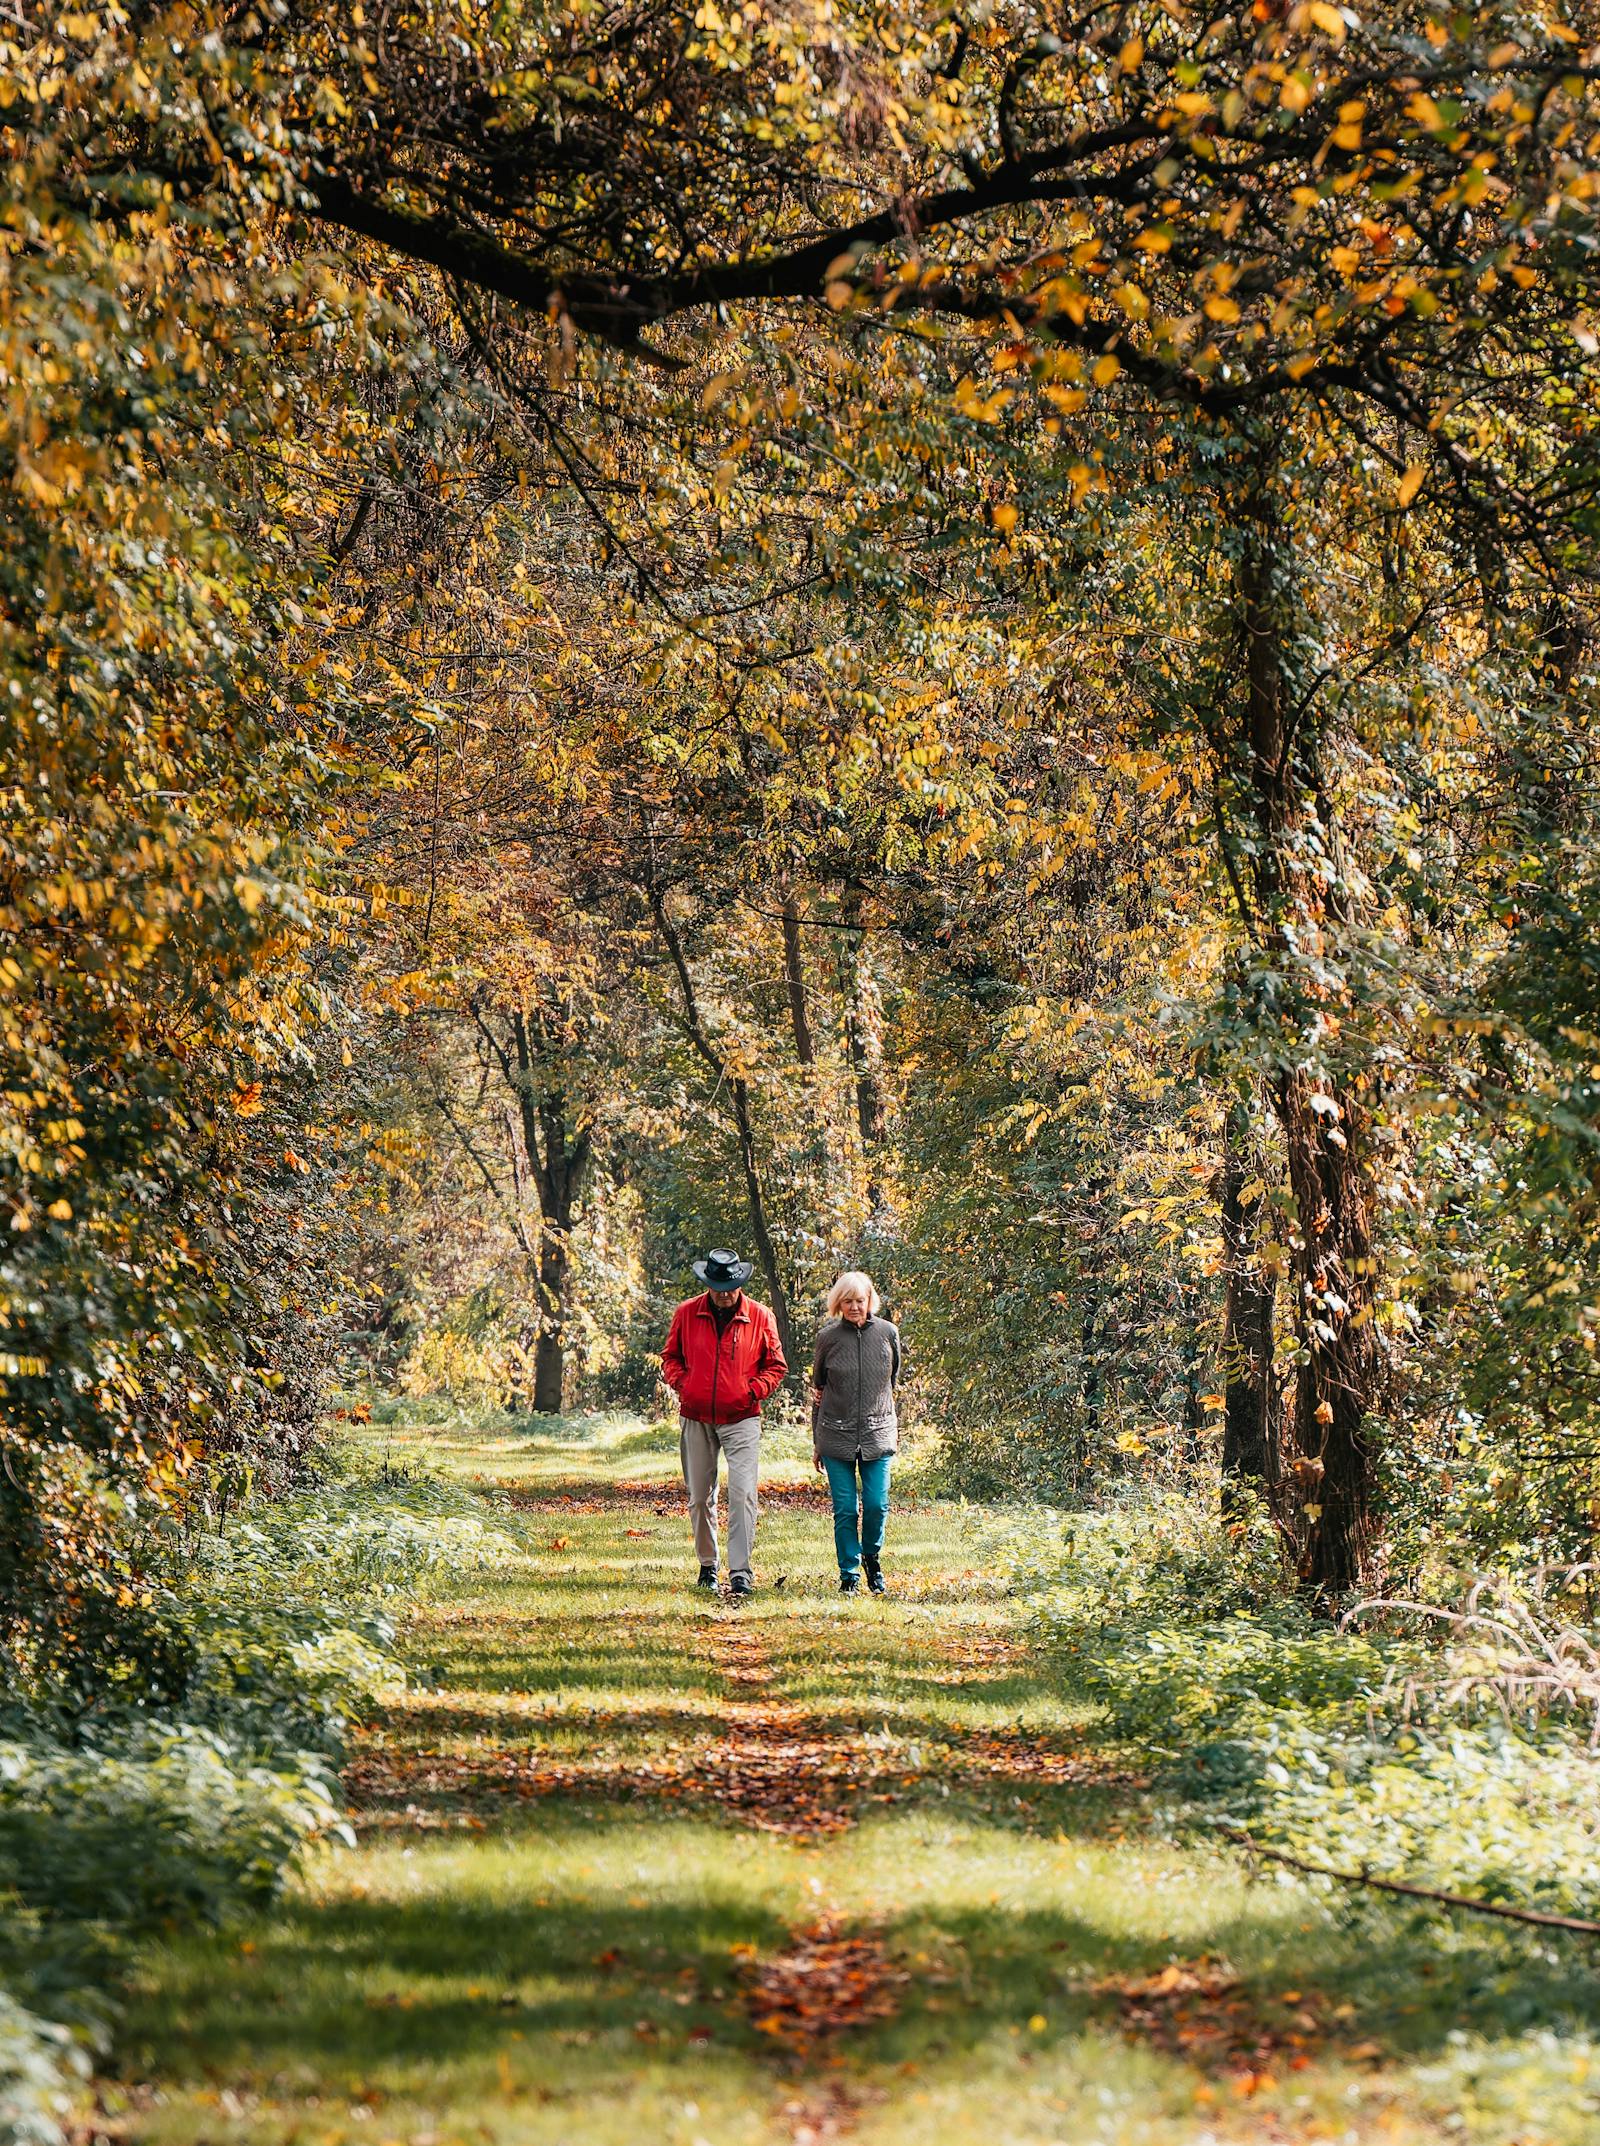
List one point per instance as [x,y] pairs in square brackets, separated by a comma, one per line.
[864,1035]
[559,1159]
[1092,1382]
[795,977]
[737,1088]
[1249,1424]
[755,1198]
[550,1350]
[1299,898]
[1336,1276]
[544,1146]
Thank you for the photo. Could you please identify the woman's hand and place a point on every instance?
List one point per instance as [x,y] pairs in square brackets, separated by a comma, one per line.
[816,1460]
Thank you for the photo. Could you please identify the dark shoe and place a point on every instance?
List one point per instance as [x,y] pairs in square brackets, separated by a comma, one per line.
[849,1583]
[708,1576]
[876,1583]
[742,1584]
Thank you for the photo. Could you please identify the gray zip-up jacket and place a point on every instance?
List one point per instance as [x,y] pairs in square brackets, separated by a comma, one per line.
[856,1368]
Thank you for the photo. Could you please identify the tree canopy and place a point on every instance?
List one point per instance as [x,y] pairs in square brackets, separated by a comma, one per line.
[960,639]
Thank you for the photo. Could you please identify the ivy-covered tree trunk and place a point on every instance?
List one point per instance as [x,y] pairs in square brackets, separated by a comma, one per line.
[1300,903]
[1336,1384]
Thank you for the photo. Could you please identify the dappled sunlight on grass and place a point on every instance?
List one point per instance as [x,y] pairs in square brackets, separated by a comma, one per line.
[608,1797]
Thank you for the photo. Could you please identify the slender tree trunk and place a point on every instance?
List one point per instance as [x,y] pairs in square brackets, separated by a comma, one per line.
[755,1198]
[1249,1424]
[737,1089]
[559,1158]
[795,977]
[1195,1366]
[864,1035]
[546,1146]
[1093,1380]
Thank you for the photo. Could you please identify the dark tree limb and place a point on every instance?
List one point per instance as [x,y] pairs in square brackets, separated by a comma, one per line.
[737,1089]
[1537,1918]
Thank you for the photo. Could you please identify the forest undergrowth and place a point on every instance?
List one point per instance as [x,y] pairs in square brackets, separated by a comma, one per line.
[1451,1743]
[185,1800]
[611,1859]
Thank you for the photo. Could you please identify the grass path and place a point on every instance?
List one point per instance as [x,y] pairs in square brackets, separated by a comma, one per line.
[637,1868]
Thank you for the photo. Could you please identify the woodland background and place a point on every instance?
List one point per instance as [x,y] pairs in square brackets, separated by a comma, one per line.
[953,639]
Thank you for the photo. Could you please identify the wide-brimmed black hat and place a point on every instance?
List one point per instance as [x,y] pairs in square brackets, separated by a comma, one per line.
[723,1270]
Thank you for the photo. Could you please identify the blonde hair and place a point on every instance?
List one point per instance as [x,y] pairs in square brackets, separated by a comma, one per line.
[853,1284]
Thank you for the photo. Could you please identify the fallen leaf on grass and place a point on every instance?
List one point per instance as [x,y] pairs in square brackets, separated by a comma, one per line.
[825,1984]
[1197,2009]
[774,1767]
[664,1499]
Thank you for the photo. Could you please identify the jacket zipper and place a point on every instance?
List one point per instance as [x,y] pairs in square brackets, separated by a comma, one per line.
[860,1432]
[716,1363]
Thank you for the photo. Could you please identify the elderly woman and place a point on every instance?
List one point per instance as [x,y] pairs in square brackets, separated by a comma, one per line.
[854,1429]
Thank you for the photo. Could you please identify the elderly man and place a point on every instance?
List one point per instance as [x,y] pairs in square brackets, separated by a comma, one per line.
[722,1360]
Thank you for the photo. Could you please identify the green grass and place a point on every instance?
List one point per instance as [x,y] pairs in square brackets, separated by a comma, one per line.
[571,1967]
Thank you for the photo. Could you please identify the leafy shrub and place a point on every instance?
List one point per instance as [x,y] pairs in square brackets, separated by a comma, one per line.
[462,1367]
[1489,2088]
[626,1374]
[1477,1809]
[1147,1553]
[283,1678]
[119,1816]
[1178,1689]
[1378,1750]
[41,2066]
[175,1825]
[360,1543]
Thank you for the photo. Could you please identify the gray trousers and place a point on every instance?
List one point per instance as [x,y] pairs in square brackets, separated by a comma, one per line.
[698,1447]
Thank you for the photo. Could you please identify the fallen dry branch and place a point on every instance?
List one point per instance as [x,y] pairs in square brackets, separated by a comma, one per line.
[1540,1918]
[1508,1647]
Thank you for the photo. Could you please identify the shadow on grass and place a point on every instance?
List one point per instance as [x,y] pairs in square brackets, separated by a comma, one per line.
[598,1668]
[540,1725]
[429,1989]
[391,1991]
[1402,1981]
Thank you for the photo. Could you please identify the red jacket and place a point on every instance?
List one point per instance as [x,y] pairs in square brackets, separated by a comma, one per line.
[720,1381]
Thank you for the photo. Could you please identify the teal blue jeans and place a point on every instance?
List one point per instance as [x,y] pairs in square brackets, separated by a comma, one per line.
[858,1533]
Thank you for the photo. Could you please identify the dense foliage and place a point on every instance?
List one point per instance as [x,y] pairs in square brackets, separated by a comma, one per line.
[1042,614]
[958,643]
[138,1814]
[1470,1767]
